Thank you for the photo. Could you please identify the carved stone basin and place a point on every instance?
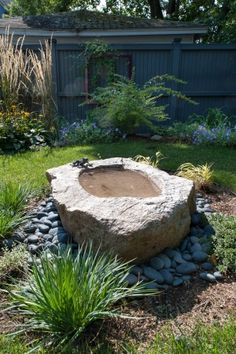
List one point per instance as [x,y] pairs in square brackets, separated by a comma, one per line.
[126,208]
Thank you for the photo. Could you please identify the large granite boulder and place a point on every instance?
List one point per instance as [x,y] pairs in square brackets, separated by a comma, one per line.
[133,226]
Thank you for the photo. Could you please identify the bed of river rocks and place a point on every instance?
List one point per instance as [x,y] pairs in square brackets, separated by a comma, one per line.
[44,232]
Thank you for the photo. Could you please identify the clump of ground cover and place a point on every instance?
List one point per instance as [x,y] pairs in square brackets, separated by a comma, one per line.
[224,241]
[13,262]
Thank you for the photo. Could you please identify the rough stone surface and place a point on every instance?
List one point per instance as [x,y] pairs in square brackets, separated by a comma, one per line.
[133,228]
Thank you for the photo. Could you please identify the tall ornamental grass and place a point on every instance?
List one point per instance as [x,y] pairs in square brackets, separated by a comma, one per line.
[65,294]
[14,70]
[42,82]
[26,73]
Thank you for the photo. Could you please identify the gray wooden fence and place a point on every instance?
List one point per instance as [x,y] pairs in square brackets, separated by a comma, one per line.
[209,70]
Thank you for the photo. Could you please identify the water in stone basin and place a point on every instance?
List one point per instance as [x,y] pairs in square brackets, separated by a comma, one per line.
[116,182]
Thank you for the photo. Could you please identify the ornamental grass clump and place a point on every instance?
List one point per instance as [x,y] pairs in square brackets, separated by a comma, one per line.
[13,199]
[150,160]
[65,294]
[201,175]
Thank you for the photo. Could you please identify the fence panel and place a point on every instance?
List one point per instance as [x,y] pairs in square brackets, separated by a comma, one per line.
[209,70]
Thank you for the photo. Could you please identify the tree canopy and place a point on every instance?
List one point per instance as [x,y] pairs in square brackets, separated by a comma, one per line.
[219,15]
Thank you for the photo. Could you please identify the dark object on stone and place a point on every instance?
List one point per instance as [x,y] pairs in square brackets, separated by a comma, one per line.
[82,163]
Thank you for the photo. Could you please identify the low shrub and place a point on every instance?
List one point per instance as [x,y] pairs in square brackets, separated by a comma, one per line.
[21,130]
[201,175]
[87,132]
[64,294]
[13,262]
[126,106]
[224,241]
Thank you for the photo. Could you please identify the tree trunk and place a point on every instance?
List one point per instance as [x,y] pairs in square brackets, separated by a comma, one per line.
[155,7]
[173,8]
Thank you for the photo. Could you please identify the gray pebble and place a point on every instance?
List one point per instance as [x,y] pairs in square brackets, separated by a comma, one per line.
[186,268]
[151,285]
[195,219]
[32,239]
[53,217]
[199,256]
[218,275]
[45,221]
[131,279]
[187,257]
[186,277]
[194,239]
[56,223]
[32,248]
[168,277]
[207,276]
[157,263]
[153,274]
[207,266]
[48,237]
[41,214]
[30,228]
[43,228]
[173,264]
[166,260]
[177,282]
[196,247]
[136,270]
[184,244]
[56,231]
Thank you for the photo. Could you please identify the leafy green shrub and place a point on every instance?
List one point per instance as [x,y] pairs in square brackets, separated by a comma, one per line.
[180,130]
[65,294]
[13,262]
[87,132]
[13,198]
[224,241]
[21,130]
[201,175]
[126,106]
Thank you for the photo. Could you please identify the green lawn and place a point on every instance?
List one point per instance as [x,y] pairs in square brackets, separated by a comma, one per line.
[30,167]
[205,339]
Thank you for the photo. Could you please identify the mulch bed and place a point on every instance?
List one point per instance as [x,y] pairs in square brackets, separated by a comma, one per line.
[180,308]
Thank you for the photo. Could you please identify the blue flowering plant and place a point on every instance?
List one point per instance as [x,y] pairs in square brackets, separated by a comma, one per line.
[214,128]
[87,132]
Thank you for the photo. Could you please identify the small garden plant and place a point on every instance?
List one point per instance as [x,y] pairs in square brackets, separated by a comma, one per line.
[148,160]
[224,241]
[64,294]
[13,199]
[201,175]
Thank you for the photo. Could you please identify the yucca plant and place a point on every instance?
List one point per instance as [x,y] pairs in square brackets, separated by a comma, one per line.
[201,175]
[65,294]
[148,160]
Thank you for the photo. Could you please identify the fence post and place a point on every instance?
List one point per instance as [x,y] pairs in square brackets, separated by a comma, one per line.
[176,53]
[54,73]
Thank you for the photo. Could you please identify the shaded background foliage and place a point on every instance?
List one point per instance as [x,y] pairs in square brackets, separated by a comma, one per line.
[218,15]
